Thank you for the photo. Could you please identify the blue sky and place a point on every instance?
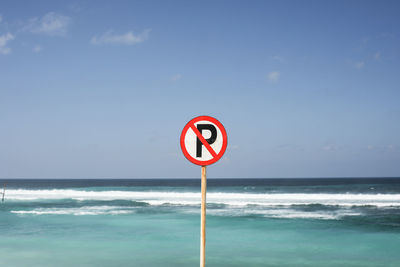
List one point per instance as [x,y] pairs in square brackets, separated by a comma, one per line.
[93,89]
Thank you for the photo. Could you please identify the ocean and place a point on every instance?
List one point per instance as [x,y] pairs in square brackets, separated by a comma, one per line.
[156,222]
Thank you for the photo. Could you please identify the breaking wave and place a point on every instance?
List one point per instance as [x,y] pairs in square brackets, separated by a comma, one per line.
[99,210]
[190,198]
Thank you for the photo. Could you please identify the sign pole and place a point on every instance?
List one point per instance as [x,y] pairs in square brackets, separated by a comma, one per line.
[203,149]
[203,217]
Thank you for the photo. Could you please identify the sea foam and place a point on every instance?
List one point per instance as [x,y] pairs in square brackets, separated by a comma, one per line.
[193,198]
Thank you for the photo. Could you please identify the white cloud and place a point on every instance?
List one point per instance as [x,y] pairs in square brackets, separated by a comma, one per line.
[37,48]
[356,64]
[128,38]
[76,8]
[225,159]
[288,148]
[366,40]
[234,147]
[278,58]
[359,65]
[273,76]
[4,39]
[382,148]
[377,55]
[329,148]
[176,77]
[50,24]
[391,147]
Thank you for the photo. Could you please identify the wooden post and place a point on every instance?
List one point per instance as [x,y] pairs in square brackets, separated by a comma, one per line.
[203,217]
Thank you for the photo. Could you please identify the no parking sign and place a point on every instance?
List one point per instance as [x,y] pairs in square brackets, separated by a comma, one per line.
[203,140]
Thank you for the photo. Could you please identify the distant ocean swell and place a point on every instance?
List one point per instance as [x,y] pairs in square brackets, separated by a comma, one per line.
[272,205]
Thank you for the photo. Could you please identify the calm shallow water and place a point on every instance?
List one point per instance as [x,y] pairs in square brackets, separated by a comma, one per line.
[250,222]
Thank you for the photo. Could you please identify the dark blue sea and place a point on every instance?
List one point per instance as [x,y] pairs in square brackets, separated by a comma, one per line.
[156,222]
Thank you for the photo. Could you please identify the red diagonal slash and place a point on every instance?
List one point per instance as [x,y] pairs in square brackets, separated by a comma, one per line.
[203,141]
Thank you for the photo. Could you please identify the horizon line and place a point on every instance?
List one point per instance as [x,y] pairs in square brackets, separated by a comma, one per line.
[180,178]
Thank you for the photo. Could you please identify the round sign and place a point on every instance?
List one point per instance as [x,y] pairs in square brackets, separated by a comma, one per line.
[203,140]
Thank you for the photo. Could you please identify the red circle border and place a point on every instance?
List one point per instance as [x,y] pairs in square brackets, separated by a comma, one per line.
[224,142]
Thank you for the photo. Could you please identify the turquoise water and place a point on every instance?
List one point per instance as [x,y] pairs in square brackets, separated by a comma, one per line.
[159,225]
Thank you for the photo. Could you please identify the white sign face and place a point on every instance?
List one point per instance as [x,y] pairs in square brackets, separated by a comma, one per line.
[203,140]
